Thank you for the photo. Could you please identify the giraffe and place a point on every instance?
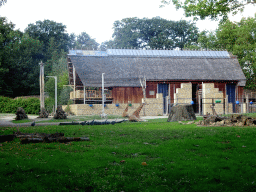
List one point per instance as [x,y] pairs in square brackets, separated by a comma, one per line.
[125,114]
[136,114]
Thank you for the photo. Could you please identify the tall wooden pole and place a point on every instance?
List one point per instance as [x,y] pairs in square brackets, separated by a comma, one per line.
[41,79]
[74,81]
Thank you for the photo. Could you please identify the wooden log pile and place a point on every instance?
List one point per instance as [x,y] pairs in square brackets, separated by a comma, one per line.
[234,120]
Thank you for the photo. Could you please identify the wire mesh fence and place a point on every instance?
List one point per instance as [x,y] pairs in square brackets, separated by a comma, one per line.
[203,106]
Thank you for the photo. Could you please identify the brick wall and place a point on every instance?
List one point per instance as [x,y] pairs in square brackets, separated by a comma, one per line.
[183,94]
[209,93]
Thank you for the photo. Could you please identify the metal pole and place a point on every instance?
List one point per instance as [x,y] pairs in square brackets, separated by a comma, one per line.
[41,80]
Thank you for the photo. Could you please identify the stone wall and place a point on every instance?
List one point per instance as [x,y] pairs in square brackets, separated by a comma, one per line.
[183,94]
[209,95]
[153,107]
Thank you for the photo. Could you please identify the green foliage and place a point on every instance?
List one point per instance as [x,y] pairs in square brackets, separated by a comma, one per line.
[53,36]
[84,41]
[155,33]
[201,9]
[18,56]
[206,41]
[49,104]
[240,39]
[2,2]
[65,95]
[59,69]
[30,105]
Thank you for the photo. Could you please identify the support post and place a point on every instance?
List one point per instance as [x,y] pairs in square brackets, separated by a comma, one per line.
[227,104]
[103,115]
[41,80]
[247,103]
[74,81]
[143,86]
[199,105]
[84,94]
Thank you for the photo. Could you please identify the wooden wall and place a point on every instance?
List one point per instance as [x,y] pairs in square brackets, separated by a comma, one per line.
[151,86]
[221,86]
[135,94]
[127,94]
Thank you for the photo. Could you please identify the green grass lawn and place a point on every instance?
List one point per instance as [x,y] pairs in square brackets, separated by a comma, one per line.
[178,157]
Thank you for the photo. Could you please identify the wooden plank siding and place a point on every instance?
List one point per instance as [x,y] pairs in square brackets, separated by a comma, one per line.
[173,86]
[127,94]
[151,86]
[221,86]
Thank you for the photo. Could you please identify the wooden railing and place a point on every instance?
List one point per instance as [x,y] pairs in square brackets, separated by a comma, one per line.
[90,94]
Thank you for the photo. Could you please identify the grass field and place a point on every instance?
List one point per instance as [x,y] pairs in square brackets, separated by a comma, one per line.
[178,158]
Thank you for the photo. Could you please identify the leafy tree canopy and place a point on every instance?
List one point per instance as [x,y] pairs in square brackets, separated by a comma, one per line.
[155,33]
[239,38]
[213,9]
[45,31]
[2,2]
[18,56]
[84,41]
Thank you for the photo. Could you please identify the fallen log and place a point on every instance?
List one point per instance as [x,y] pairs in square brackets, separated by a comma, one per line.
[93,122]
[50,140]
[41,138]
[4,138]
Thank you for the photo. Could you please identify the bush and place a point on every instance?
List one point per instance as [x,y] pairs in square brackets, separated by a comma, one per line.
[49,104]
[30,105]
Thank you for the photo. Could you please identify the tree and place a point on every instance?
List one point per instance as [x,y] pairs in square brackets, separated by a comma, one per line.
[84,41]
[206,41]
[213,9]
[59,69]
[2,2]
[18,56]
[155,33]
[45,31]
[240,39]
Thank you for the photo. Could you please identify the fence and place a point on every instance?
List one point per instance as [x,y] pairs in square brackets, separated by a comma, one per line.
[203,106]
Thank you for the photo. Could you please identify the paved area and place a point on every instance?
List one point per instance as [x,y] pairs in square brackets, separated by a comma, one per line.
[6,120]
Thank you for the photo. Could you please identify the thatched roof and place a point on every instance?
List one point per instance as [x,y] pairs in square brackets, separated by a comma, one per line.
[125,68]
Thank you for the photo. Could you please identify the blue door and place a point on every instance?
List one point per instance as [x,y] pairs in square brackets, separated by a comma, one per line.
[231,92]
[163,88]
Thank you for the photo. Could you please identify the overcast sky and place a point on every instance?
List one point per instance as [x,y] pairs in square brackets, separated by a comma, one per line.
[96,17]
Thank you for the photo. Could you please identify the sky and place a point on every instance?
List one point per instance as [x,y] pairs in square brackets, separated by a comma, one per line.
[96,17]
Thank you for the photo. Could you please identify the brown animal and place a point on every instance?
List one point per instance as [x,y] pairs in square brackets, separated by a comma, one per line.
[136,114]
[125,114]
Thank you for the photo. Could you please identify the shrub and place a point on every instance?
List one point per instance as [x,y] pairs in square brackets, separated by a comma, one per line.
[30,105]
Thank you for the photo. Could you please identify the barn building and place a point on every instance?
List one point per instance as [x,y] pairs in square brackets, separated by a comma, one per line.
[172,77]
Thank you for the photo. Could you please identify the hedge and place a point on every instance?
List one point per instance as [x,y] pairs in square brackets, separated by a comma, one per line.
[30,105]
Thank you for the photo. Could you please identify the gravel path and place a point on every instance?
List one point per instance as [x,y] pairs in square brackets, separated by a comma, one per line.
[5,121]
